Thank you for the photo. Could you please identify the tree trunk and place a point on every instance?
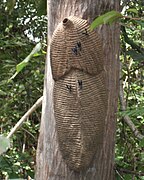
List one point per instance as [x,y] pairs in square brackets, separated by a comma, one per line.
[50,165]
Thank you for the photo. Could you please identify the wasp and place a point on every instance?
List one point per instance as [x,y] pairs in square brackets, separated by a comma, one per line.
[79,45]
[69,87]
[86,32]
[75,50]
[80,83]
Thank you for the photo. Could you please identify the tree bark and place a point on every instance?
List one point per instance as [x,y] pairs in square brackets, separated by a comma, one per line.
[50,165]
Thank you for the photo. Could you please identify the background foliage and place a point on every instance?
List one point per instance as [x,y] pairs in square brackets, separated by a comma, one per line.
[19,31]
[130,150]
[23,23]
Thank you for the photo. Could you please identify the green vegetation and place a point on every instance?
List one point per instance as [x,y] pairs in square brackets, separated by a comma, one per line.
[129,148]
[19,30]
[23,25]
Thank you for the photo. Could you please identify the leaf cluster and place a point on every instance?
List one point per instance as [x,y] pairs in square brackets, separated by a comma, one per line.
[18,95]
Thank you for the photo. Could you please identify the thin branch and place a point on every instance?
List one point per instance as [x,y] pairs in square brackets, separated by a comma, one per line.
[126,117]
[119,174]
[133,18]
[131,42]
[29,133]
[127,171]
[26,115]
[132,71]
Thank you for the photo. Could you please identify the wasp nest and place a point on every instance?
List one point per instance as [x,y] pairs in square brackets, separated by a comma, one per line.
[80,98]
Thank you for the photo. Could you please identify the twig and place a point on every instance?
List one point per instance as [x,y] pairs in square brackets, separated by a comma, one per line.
[126,117]
[119,174]
[127,171]
[132,71]
[26,115]
[28,133]
[133,18]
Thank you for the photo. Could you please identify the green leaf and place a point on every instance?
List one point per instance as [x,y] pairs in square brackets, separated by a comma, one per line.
[14,176]
[135,55]
[132,10]
[4,144]
[36,49]
[10,5]
[127,177]
[133,111]
[141,144]
[108,17]
[2,93]
[111,16]
[37,55]
[24,63]
[140,22]
[41,7]
[98,21]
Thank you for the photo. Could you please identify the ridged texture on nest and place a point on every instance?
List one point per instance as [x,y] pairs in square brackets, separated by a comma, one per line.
[80,98]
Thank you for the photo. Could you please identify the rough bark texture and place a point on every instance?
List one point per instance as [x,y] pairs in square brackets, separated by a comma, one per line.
[50,165]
